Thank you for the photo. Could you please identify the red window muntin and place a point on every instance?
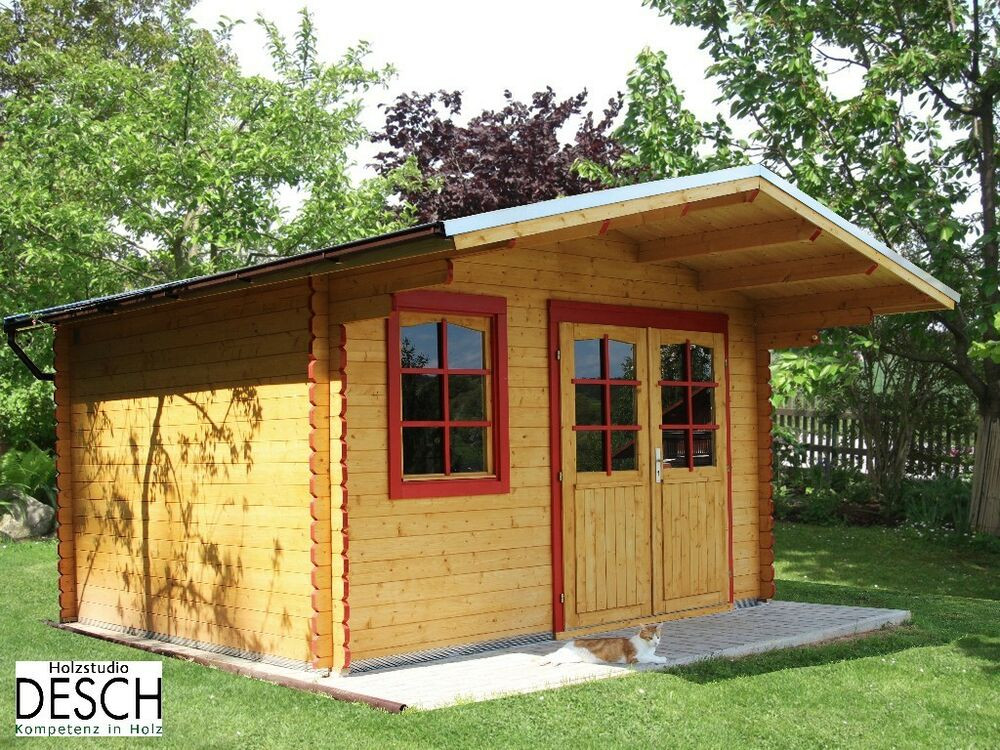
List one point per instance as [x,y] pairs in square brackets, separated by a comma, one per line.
[691,387]
[450,485]
[606,381]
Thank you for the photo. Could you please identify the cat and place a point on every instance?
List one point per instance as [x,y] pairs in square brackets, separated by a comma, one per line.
[639,649]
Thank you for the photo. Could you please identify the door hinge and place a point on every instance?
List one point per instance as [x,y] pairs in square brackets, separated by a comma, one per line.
[562,598]
[558,354]
[560,476]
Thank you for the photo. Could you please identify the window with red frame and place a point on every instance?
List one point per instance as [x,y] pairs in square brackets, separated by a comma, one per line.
[447,407]
[606,423]
[687,391]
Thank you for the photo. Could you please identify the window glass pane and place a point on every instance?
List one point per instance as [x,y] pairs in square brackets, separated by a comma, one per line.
[675,448]
[623,409]
[623,450]
[701,405]
[622,364]
[701,363]
[422,398]
[423,450]
[589,404]
[672,362]
[465,348]
[674,404]
[467,397]
[420,345]
[468,450]
[590,450]
[587,358]
[704,448]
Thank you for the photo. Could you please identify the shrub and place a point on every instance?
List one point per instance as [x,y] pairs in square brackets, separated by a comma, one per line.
[31,470]
[942,502]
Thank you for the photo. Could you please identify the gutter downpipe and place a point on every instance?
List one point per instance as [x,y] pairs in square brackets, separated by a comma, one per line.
[22,355]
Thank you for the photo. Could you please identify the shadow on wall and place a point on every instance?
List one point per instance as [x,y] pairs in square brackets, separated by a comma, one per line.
[182,532]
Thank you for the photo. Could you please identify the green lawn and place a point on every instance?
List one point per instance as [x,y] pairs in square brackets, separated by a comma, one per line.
[933,684]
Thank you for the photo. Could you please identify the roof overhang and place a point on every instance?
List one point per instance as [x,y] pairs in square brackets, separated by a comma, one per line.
[742,231]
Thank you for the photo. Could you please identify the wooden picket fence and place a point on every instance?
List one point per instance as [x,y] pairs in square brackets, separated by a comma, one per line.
[837,441]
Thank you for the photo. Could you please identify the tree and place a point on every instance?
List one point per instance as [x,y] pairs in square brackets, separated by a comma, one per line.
[116,172]
[887,111]
[500,158]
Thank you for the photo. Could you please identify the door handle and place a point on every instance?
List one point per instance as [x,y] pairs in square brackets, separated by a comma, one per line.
[658,465]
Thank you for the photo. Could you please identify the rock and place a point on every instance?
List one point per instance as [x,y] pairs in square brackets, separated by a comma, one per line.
[23,516]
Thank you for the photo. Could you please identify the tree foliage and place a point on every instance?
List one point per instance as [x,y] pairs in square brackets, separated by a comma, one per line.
[499,158]
[888,112]
[133,150]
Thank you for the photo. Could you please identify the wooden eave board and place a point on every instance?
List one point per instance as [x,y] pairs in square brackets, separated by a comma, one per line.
[656,217]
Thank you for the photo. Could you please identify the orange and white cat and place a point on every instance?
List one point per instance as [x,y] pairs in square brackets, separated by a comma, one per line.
[639,649]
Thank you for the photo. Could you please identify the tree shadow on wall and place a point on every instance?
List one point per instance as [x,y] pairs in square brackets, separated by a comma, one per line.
[181,536]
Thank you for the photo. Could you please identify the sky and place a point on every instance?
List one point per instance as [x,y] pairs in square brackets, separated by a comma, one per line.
[483,48]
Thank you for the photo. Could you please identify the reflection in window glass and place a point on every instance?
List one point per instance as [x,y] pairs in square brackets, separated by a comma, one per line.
[465,348]
[623,450]
[589,404]
[701,363]
[420,345]
[587,358]
[421,397]
[701,405]
[675,448]
[672,362]
[704,448]
[468,450]
[623,406]
[466,397]
[674,404]
[590,450]
[622,364]
[423,450]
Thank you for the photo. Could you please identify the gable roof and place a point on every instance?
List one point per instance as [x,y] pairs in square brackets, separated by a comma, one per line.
[502,227]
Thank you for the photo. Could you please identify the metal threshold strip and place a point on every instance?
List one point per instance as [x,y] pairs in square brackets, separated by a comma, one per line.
[420,657]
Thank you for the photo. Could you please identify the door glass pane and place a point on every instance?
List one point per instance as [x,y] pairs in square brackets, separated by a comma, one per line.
[674,404]
[590,404]
[672,362]
[587,358]
[421,398]
[622,364]
[590,450]
[467,397]
[465,348]
[701,363]
[623,450]
[702,406]
[419,345]
[675,448]
[423,450]
[623,406]
[704,448]
[468,450]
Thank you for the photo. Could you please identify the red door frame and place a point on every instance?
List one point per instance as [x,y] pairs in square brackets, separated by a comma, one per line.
[565,311]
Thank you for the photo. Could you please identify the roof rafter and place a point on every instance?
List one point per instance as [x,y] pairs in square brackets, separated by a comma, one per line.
[754,237]
[784,272]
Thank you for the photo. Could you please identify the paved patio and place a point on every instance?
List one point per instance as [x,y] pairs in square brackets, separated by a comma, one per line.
[522,669]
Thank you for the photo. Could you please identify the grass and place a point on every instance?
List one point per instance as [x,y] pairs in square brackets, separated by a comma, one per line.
[934,683]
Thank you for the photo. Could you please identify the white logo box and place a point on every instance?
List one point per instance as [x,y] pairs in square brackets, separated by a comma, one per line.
[88,698]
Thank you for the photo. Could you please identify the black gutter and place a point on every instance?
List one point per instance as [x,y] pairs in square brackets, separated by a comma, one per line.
[248,275]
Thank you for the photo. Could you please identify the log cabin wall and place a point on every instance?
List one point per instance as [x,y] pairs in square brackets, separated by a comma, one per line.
[190,495]
[426,573]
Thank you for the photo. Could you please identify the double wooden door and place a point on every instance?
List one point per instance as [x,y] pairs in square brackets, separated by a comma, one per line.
[644,490]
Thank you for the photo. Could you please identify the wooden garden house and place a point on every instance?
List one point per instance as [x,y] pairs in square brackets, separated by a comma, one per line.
[545,419]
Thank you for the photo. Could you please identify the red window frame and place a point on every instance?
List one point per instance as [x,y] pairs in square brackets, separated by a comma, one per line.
[606,381]
[690,426]
[443,304]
